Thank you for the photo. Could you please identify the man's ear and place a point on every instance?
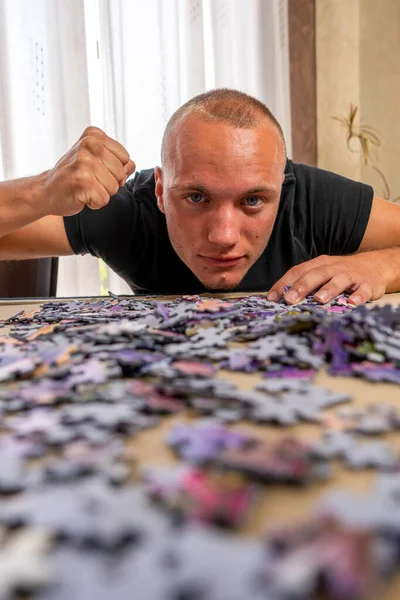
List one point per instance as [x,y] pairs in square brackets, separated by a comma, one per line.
[158,175]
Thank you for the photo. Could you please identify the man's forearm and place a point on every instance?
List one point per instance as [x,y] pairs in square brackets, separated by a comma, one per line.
[21,203]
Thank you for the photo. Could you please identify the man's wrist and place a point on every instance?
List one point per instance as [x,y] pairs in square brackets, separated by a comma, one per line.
[391,267]
[37,196]
[387,263]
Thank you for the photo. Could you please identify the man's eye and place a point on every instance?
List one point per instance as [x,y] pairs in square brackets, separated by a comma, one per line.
[195,198]
[252,201]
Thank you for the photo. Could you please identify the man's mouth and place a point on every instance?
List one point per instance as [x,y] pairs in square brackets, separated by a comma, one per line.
[222,261]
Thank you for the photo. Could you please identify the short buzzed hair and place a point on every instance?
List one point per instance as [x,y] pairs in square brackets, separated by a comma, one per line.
[226,106]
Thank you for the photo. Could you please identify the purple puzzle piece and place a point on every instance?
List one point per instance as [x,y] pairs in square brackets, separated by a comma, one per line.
[203,441]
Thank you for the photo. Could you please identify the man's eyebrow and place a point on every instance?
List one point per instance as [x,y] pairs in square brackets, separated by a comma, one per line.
[203,190]
[189,186]
[261,189]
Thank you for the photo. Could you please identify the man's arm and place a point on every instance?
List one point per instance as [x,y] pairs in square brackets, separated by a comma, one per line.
[44,238]
[383,229]
[367,275]
[31,209]
[20,203]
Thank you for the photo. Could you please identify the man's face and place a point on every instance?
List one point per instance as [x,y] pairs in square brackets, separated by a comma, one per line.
[220,190]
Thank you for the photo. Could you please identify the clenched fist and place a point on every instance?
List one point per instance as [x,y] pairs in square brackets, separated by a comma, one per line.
[87,175]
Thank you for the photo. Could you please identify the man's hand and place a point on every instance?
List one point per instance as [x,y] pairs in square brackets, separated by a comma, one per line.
[90,172]
[367,276]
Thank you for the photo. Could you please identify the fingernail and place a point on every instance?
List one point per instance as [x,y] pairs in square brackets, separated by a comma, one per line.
[291,296]
[272,296]
[356,300]
[322,296]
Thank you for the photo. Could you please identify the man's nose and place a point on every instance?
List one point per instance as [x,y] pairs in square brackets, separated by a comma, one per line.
[223,227]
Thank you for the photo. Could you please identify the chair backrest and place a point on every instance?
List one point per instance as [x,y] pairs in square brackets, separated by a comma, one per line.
[28,278]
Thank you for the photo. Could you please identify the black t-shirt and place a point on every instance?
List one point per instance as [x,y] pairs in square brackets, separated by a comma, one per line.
[319,213]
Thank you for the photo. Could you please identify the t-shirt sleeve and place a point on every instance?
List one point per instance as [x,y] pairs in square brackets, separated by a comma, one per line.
[108,233]
[332,211]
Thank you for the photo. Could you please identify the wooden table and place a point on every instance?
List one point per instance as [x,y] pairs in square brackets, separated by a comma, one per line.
[279,502]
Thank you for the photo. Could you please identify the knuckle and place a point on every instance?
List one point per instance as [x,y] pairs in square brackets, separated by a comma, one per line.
[379,292]
[103,195]
[113,188]
[91,144]
[99,200]
[323,258]
[322,272]
[82,179]
[298,271]
[330,290]
[348,276]
[93,131]
[83,161]
[104,201]
[124,156]
[365,285]
[119,174]
[371,291]
[300,289]
[96,205]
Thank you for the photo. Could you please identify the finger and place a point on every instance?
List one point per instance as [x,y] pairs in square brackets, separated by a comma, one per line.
[301,281]
[129,167]
[112,145]
[106,180]
[338,284]
[278,289]
[293,275]
[352,288]
[315,279]
[94,195]
[362,294]
[92,131]
[117,149]
[114,166]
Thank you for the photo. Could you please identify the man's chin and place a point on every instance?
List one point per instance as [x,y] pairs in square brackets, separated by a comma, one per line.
[220,284]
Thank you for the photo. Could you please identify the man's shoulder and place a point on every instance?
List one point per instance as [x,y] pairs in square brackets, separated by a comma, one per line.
[304,174]
[142,180]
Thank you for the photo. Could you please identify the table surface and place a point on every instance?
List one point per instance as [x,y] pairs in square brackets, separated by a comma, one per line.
[278,503]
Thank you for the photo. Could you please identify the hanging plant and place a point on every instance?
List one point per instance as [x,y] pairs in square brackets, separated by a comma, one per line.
[363,139]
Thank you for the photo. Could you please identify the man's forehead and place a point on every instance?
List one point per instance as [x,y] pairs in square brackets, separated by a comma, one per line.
[194,131]
[197,145]
[193,128]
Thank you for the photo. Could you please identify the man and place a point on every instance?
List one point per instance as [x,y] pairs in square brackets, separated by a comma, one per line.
[226,211]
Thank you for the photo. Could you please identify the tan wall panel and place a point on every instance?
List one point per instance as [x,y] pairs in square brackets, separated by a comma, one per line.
[380,85]
[337,43]
[358,50]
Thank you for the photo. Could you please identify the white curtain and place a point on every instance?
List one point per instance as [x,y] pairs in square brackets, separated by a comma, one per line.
[126,66]
[251,52]
[158,54]
[44,103]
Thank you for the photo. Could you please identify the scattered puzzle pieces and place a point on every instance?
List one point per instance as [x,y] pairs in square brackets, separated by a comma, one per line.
[205,495]
[79,378]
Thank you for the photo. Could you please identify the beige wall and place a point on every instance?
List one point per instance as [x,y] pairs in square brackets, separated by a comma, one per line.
[380,84]
[337,51]
[358,60]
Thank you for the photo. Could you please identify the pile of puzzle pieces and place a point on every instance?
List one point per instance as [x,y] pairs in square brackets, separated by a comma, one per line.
[79,518]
